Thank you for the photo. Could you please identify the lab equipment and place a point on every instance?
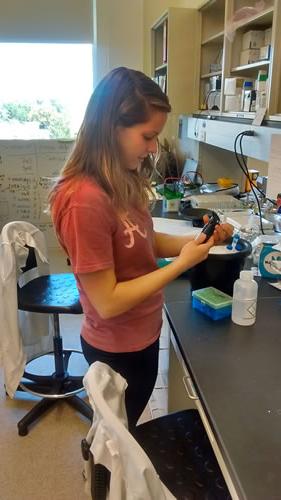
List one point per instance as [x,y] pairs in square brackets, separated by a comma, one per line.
[212,302]
[209,228]
[270,261]
[220,270]
[215,201]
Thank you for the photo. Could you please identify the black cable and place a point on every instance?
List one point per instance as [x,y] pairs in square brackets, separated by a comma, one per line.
[247,174]
[214,91]
[252,185]
[246,167]
[245,171]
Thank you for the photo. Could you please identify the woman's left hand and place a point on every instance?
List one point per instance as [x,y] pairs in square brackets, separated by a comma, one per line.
[222,232]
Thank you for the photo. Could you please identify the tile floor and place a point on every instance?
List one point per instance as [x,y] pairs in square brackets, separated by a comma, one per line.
[158,404]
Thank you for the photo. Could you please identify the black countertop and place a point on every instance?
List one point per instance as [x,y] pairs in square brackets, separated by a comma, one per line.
[237,374]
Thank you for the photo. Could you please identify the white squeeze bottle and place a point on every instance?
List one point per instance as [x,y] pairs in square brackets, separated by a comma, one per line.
[245,292]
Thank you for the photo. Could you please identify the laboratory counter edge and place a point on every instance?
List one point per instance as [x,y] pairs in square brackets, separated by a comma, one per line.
[236,372]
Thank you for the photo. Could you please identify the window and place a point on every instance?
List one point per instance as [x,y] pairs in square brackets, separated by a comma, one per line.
[44,89]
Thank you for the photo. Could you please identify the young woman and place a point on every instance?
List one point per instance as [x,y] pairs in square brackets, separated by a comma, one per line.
[100,212]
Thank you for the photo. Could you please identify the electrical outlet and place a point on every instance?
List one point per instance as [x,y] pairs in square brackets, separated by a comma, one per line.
[202,135]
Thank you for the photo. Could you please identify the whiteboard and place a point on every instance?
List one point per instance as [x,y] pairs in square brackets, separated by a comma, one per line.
[27,171]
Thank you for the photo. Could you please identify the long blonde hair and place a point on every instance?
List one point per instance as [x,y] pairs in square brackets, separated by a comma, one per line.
[124,97]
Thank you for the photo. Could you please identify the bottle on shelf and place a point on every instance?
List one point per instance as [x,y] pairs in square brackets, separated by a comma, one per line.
[245,292]
[261,90]
[246,95]
[278,203]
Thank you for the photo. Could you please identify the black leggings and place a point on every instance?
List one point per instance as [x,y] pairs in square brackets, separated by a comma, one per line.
[140,370]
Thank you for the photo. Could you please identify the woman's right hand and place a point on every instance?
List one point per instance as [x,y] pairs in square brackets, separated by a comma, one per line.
[195,251]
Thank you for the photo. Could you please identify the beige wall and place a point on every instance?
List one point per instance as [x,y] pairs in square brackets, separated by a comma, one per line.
[152,10]
[122,32]
[46,21]
[261,166]
[118,35]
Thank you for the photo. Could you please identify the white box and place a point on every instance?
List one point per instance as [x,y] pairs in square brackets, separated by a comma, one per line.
[264,52]
[249,56]
[267,36]
[232,102]
[215,67]
[232,85]
[253,39]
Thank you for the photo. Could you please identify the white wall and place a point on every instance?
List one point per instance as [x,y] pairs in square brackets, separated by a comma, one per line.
[118,35]
[46,21]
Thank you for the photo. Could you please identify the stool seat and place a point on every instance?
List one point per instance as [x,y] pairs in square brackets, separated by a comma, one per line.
[55,293]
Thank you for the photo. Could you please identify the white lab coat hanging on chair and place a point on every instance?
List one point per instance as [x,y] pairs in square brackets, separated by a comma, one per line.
[22,334]
[133,476]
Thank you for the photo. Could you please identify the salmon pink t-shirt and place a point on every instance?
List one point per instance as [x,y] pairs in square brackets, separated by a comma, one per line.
[95,238]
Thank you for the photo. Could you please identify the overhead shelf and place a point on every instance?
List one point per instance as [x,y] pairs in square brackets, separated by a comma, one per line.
[263,18]
[208,75]
[254,65]
[161,67]
[214,39]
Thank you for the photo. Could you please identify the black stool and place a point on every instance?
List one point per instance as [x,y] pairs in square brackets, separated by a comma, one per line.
[179,448]
[52,294]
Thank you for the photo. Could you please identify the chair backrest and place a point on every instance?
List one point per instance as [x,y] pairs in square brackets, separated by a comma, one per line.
[132,474]
[19,241]
[16,340]
[31,261]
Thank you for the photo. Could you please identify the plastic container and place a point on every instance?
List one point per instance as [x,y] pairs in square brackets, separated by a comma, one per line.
[212,302]
[220,270]
[245,292]
[246,95]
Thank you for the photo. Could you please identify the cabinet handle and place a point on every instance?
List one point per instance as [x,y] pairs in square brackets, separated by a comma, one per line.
[189,387]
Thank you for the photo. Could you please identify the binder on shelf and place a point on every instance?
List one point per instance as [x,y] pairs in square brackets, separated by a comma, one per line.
[165,40]
[162,82]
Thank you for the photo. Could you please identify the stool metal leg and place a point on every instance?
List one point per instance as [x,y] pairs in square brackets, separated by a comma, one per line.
[58,349]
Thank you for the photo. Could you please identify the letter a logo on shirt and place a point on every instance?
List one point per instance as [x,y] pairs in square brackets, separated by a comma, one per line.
[130,229]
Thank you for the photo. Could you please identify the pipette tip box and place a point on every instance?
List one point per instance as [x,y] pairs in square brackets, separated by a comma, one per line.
[212,302]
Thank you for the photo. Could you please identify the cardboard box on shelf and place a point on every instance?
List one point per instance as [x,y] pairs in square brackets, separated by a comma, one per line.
[249,56]
[232,102]
[253,39]
[232,85]
[267,36]
[264,52]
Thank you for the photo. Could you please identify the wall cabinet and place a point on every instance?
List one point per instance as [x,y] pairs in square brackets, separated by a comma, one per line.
[175,39]
[223,25]
[212,52]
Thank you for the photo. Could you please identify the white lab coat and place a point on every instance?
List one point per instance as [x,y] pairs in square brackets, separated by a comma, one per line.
[133,476]
[22,334]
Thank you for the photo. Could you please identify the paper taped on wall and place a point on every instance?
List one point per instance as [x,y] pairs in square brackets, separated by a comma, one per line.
[27,170]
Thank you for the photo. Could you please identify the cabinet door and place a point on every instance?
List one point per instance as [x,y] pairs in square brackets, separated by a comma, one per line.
[193,399]
[175,57]
[247,54]
[212,54]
